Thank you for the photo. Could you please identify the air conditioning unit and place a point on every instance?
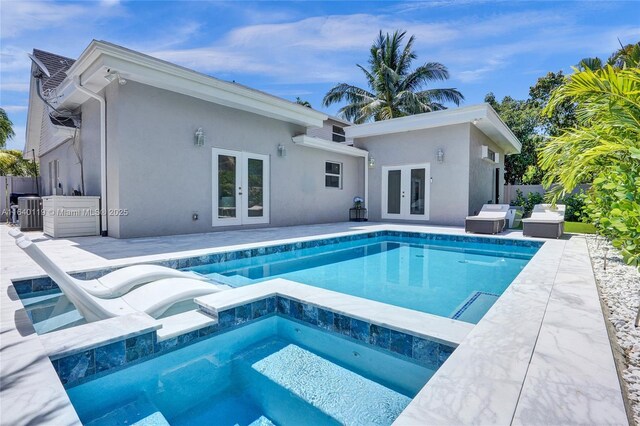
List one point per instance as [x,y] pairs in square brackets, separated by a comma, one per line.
[30,213]
[489,155]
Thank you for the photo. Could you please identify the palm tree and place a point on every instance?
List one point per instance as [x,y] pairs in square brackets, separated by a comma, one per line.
[605,145]
[394,90]
[6,128]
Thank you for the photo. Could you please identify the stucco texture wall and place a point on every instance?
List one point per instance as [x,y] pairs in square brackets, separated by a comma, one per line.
[482,172]
[449,191]
[157,173]
[88,141]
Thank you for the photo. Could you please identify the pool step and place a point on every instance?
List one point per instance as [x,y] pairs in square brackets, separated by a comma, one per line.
[340,393]
[57,322]
[475,306]
[233,280]
[185,322]
[262,421]
[137,413]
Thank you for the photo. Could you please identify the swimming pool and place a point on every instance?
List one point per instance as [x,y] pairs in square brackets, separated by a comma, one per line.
[459,277]
[270,371]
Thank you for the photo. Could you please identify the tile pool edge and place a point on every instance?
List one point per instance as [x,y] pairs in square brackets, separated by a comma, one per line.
[43,283]
[422,324]
[89,363]
[517,365]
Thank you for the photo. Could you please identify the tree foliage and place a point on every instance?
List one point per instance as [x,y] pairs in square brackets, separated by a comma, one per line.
[522,119]
[12,163]
[303,102]
[605,144]
[394,90]
[6,128]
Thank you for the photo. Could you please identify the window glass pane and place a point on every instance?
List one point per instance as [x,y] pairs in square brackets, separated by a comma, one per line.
[333,168]
[417,191]
[393,192]
[332,181]
[256,188]
[226,186]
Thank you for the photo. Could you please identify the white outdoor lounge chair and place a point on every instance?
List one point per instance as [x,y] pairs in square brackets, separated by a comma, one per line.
[546,221]
[153,298]
[491,219]
[118,283]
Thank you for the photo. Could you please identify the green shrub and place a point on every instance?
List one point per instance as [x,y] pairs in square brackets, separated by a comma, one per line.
[527,202]
[575,205]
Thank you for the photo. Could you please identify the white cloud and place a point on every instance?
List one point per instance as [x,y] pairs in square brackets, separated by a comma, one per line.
[14,108]
[20,17]
[15,87]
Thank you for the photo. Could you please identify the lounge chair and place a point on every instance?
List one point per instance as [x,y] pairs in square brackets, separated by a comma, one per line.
[153,298]
[546,221]
[491,219]
[118,283]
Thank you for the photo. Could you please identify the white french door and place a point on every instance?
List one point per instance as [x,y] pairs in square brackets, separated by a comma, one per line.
[405,192]
[240,188]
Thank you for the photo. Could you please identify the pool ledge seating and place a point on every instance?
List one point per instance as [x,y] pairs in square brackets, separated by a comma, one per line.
[153,297]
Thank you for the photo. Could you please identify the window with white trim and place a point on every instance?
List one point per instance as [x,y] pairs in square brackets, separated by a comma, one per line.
[333,175]
[337,134]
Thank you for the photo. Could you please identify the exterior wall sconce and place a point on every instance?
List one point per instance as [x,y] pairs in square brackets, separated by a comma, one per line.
[372,162]
[198,139]
[282,151]
[440,156]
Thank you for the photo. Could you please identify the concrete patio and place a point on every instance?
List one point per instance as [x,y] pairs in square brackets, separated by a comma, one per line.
[541,355]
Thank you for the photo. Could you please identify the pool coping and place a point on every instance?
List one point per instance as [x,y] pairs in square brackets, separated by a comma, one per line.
[506,382]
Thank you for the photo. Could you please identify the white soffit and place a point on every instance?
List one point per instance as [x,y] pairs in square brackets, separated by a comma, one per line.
[317,143]
[482,116]
[93,63]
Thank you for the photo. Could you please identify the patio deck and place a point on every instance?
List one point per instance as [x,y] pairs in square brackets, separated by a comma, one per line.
[541,355]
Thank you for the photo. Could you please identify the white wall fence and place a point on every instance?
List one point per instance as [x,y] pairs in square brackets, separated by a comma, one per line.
[18,184]
[510,193]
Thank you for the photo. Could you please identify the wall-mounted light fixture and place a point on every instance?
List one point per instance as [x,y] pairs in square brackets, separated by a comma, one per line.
[198,137]
[282,151]
[372,162]
[476,121]
[112,75]
[440,156]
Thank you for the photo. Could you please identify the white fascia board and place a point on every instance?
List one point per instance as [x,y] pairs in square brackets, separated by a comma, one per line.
[99,56]
[482,116]
[34,122]
[317,143]
[417,122]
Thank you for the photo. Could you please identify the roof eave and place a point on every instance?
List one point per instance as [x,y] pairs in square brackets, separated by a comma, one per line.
[98,56]
[482,116]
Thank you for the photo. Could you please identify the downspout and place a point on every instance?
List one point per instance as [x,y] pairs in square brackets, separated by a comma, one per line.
[366,182]
[103,152]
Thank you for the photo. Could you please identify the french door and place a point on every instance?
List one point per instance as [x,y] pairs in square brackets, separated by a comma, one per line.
[405,192]
[240,188]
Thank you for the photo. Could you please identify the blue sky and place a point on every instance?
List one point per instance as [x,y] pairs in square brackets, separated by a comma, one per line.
[303,48]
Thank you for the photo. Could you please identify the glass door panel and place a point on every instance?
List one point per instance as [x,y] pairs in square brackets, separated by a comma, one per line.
[255,188]
[394,190]
[227,184]
[418,184]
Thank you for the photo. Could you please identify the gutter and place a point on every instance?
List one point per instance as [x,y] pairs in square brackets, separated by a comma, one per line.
[103,152]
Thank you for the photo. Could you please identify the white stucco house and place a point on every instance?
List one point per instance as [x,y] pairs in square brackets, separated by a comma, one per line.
[182,152]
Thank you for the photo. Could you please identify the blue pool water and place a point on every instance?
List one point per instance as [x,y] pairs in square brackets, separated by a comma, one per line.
[272,371]
[456,279]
